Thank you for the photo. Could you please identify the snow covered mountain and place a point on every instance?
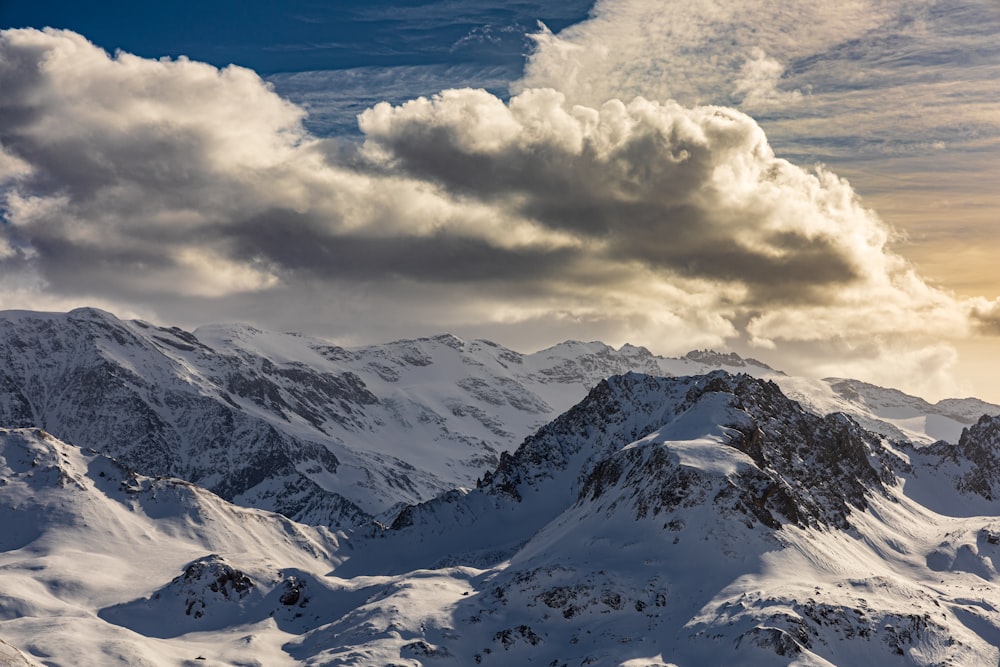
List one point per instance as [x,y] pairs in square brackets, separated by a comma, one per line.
[691,521]
[889,411]
[335,436]
[320,433]
[660,521]
[86,543]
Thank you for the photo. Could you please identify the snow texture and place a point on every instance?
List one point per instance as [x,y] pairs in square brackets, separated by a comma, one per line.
[660,518]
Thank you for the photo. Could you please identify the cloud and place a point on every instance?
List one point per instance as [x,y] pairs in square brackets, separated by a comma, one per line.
[334,98]
[894,95]
[196,193]
[695,192]
[687,196]
[880,90]
[758,84]
[985,315]
[924,370]
[873,74]
[694,51]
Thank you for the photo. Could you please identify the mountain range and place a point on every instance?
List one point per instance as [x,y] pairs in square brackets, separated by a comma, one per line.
[236,497]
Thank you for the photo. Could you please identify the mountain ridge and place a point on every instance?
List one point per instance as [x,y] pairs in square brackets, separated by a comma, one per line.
[708,518]
[327,434]
[626,561]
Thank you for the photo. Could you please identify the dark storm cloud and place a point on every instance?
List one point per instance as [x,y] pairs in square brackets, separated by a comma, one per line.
[301,245]
[648,181]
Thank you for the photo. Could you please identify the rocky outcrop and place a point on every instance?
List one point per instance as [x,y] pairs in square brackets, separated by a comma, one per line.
[980,444]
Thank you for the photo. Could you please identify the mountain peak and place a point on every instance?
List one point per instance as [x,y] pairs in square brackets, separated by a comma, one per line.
[92,313]
[728,359]
[450,340]
[638,434]
[980,444]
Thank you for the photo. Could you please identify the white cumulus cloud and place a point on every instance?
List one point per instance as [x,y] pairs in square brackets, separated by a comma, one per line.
[195,193]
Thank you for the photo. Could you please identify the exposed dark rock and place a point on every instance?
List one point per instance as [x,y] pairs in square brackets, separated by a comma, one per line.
[980,444]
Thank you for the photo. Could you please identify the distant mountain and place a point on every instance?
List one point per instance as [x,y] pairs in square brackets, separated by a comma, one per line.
[689,521]
[320,433]
[330,435]
[912,416]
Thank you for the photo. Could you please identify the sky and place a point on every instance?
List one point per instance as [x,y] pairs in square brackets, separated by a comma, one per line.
[811,184]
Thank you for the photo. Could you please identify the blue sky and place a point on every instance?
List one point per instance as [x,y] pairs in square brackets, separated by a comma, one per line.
[302,35]
[813,184]
[337,58]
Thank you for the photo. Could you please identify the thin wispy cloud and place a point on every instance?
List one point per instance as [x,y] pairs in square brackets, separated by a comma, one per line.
[335,98]
[888,70]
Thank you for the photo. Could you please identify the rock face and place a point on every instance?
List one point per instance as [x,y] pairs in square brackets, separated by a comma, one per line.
[165,404]
[980,444]
[972,465]
[337,436]
[210,594]
[891,412]
[731,359]
[807,470]
[783,465]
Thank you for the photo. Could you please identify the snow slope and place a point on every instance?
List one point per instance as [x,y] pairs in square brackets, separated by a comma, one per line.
[283,422]
[736,529]
[82,535]
[686,521]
